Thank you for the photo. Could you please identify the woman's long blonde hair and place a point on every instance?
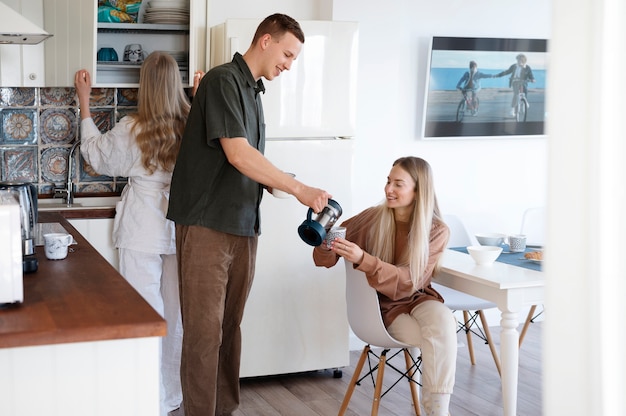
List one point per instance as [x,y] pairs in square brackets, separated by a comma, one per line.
[381,242]
[162,111]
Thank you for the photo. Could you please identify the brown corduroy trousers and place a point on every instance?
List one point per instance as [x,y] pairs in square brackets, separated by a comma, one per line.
[215,271]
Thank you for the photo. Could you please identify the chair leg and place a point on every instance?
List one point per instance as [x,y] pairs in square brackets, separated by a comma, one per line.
[529,319]
[468,334]
[379,382]
[492,347]
[411,370]
[353,381]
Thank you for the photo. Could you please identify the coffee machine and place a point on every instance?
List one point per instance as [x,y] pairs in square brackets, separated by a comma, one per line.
[26,196]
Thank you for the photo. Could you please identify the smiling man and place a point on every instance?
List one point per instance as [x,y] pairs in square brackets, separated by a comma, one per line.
[216,191]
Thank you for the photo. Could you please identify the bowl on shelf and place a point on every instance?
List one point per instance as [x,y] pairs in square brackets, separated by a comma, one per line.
[490,239]
[484,255]
[107,54]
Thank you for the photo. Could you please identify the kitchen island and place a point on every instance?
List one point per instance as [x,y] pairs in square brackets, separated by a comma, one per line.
[83,342]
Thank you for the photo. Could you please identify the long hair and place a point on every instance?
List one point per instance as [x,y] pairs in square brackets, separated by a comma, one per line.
[381,242]
[277,25]
[162,111]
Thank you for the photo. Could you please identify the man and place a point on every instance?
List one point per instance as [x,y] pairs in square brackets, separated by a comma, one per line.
[216,191]
[521,75]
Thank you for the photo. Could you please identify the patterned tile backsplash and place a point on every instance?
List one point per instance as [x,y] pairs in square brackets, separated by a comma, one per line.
[39,127]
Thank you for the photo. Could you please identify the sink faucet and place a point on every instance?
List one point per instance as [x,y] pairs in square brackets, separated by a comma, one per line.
[68,193]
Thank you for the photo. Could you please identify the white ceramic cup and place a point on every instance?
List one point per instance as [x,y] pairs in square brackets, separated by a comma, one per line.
[55,245]
[334,233]
[517,243]
[277,193]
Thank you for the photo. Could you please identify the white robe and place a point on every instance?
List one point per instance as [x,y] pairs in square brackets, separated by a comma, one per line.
[140,222]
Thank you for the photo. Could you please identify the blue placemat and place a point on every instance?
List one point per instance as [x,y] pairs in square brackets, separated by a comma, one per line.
[516,259]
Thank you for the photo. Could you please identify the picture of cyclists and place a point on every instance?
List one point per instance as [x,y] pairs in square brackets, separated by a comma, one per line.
[488,90]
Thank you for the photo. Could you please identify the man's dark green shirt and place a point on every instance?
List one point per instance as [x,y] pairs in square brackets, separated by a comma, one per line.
[206,190]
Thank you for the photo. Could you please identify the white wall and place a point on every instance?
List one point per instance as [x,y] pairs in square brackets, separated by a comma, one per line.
[487,182]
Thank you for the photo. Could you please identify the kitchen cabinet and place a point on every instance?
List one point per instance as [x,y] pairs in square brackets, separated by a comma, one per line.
[78,36]
[99,233]
[83,342]
[23,65]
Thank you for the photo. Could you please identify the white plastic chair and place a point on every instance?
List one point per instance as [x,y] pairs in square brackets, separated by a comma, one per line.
[471,306]
[534,228]
[366,322]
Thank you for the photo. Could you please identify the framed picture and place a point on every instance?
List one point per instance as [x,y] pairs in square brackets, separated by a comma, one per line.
[485,87]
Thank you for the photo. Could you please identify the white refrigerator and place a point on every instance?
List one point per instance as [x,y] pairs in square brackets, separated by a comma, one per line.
[295,319]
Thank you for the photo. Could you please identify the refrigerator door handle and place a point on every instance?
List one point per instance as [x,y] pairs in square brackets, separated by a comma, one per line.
[234,46]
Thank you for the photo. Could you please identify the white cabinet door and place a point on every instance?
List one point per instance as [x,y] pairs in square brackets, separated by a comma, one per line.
[23,65]
[71,47]
[99,233]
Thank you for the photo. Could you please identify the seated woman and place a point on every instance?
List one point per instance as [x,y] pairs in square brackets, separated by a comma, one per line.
[398,245]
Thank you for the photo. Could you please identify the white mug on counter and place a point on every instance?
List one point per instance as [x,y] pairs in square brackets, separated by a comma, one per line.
[55,245]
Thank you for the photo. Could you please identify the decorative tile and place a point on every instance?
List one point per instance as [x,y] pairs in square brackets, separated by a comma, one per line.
[18,126]
[58,96]
[104,118]
[58,125]
[19,164]
[54,164]
[123,112]
[96,188]
[46,189]
[17,97]
[38,127]
[88,174]
[102,96]
[127,97]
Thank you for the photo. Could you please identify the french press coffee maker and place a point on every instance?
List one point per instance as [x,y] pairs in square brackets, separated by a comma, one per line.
[313,231]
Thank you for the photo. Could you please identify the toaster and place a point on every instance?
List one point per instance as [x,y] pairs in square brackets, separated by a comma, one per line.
[11,271]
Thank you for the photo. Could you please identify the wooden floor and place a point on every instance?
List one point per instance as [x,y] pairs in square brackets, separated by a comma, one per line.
[476,392]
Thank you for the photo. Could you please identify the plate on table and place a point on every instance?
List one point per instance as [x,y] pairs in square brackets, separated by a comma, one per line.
[538,253]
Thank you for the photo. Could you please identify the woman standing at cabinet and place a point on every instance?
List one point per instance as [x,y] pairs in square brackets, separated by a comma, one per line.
[143,147]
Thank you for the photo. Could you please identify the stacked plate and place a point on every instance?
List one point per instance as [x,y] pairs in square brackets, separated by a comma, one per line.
[181,57]
[171,12]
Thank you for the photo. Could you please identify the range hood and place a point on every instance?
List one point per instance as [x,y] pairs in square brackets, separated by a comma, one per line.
[16,29]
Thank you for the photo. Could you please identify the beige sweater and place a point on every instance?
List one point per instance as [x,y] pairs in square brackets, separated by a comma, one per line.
[393,283]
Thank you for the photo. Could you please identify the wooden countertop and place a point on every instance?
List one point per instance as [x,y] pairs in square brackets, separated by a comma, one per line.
[77,299]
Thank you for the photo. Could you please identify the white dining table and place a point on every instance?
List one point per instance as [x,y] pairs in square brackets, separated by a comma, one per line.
[511,288]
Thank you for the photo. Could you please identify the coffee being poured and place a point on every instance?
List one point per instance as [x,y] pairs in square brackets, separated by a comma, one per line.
[313,230]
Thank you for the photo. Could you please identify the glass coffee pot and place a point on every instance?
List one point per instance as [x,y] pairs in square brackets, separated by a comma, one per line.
[313,230]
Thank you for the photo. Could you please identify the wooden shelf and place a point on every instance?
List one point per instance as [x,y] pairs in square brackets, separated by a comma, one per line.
[141,27]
